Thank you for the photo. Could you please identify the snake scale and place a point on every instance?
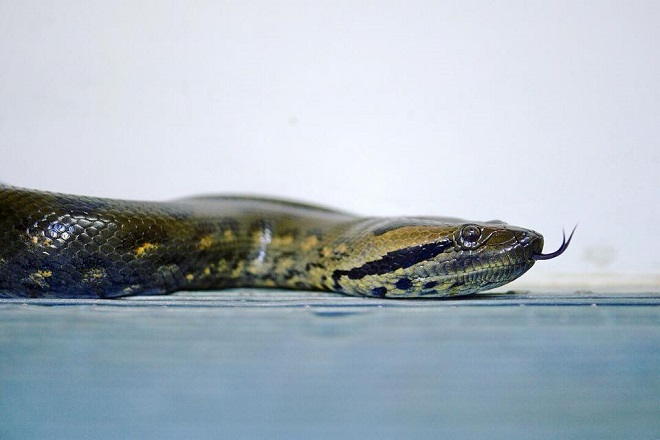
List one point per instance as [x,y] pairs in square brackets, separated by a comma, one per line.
[66,246]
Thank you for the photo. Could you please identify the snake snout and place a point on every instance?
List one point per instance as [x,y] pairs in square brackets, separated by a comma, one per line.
[535,243]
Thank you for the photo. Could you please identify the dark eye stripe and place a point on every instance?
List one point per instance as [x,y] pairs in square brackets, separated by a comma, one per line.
[399,259]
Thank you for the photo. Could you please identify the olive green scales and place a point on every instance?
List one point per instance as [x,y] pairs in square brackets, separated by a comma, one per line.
[68,246]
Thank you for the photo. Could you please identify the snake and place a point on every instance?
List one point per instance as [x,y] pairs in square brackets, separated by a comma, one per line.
[55,245]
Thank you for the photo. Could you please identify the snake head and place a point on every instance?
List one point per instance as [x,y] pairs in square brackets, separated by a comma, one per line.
[437,257]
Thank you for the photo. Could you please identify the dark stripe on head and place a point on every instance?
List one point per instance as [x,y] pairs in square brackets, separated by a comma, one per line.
[399,259]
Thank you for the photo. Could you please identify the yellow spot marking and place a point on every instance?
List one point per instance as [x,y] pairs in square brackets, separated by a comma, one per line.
[43,241]
[93,274]
[132,288]
[205,242]
[284,240]
[228,234]
[341,248]
[284,264]
[326,251]
[240,267]
[142,250]
[39,277]
[309,243]
[222,267]
[190,276]
[207,271]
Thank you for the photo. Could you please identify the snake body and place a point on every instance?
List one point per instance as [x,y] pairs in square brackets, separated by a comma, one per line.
[68,246]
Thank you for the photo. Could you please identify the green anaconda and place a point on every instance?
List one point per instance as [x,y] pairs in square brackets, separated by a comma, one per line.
[67,246]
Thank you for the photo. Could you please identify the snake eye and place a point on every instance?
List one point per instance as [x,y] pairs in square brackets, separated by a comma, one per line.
[470,235]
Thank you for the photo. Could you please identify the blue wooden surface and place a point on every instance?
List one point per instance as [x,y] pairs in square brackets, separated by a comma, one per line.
[274,364]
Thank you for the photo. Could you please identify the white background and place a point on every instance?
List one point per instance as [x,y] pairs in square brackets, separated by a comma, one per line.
[543,114]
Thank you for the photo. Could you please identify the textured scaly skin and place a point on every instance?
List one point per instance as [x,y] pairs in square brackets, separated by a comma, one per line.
[67,246]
